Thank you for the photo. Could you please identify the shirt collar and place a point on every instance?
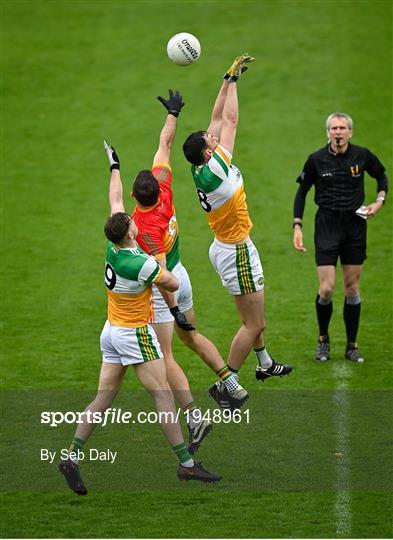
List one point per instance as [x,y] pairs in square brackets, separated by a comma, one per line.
[331,151]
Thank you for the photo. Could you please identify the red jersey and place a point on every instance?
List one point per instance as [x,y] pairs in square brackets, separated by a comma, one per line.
[158,230]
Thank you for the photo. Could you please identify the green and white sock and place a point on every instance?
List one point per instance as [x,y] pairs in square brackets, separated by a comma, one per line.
[183,455]
[76,447]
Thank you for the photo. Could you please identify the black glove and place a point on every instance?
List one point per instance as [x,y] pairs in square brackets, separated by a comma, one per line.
[181,319]
[174,104]
[114,161]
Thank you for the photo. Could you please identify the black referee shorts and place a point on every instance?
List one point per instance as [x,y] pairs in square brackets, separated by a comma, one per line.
[339,234]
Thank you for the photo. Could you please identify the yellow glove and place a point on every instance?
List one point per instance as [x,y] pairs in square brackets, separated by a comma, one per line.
[238,67]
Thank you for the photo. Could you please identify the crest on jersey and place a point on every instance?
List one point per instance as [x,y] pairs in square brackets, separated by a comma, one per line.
[172,226]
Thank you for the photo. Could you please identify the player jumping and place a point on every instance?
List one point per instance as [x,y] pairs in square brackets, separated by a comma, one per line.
[219,186]
[128,339]
[155,217]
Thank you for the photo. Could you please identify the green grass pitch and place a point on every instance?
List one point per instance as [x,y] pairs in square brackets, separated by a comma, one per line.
[76,72]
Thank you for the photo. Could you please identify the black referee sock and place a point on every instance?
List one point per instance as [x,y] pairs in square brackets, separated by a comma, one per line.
[324,314]
[351,312]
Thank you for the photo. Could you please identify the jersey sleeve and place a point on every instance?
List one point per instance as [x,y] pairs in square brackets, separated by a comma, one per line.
[375,169]
[220,162]
[150,272]
[308,175]
[163,173]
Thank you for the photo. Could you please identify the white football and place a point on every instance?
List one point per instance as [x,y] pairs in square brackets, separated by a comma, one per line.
[183,49]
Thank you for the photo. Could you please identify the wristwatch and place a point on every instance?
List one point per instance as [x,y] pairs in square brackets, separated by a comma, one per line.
[381,198]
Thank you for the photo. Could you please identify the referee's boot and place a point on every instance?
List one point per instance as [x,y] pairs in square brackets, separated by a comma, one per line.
[71,472]
[275,370]
[353,354]
[322,353]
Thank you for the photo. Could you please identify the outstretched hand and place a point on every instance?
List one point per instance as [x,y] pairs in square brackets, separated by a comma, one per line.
[174,103]
[114,161]
[238,67]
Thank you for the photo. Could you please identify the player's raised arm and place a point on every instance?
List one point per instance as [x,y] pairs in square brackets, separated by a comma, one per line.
[232,74]
[230,118]
[173,105]
[216,116]
[115,185]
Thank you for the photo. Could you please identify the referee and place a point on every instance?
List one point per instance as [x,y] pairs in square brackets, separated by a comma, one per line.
[337,172]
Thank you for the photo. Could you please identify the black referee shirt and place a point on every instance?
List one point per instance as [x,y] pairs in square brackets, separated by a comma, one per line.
[339,178]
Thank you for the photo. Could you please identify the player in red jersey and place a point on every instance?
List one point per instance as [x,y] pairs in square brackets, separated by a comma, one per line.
[155,217]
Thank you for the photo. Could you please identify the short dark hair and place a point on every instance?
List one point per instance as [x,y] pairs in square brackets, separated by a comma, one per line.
[146,188]
[116,227]
[194,146]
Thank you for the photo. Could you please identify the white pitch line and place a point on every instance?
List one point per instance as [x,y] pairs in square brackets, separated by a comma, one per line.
[343,512]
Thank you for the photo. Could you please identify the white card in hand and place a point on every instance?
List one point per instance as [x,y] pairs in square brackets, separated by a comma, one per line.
[362,212]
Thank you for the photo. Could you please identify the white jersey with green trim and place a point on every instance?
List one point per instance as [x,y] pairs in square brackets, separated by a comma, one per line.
[129,274]
[220,189]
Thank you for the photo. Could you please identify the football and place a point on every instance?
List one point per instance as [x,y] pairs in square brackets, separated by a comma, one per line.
[183,49]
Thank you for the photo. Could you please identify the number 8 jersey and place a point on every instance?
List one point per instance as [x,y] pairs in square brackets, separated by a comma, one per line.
[129,274]
[221,193]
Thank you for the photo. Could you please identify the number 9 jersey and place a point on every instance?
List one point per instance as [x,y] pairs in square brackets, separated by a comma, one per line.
[221,194]
[129,274]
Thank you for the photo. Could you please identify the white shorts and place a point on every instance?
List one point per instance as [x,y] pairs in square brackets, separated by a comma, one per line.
[120,345]
[160,310]
[238,266]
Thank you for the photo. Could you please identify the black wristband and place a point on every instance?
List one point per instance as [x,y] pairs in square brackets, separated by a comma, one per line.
[174,310]
[297,223]
[174,113]
[115,166]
